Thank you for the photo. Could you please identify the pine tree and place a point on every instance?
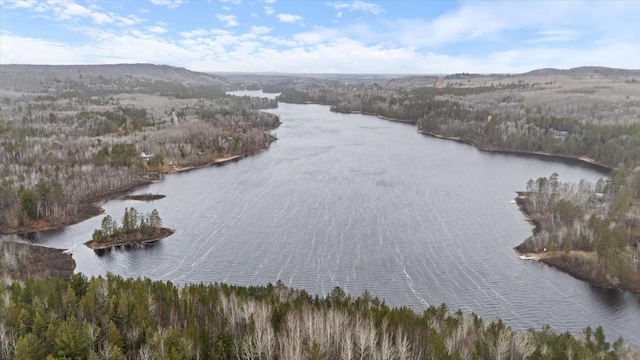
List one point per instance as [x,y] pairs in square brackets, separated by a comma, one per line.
[29,347]
[71,341]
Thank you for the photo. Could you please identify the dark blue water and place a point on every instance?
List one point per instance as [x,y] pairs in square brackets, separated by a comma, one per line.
[363,203]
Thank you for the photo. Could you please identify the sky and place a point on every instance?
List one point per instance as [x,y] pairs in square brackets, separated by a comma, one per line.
[387,37]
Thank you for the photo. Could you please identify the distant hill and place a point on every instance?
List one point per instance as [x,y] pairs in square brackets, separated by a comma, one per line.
[125,77]
[585,70]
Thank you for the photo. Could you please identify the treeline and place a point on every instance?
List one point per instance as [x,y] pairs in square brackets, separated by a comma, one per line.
[444,111]
[60,153]
[116,318]
[594,228]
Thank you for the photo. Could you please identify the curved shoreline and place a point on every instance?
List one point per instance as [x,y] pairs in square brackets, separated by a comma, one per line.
[376,115]
[93,205]
[580,160]
[564,262]
[37,261]
[568,262]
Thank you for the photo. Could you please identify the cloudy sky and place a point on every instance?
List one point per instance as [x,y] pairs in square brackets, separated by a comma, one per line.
[427,37]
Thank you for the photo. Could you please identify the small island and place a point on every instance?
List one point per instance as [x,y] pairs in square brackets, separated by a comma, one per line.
[136,229]
[144,197]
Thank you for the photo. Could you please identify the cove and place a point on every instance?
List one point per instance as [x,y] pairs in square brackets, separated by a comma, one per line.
[363,203]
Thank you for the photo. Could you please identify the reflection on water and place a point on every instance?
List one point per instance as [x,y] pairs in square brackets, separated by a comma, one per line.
[363,203]
[615,300]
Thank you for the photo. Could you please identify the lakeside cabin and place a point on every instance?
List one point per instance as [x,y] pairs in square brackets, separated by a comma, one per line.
[560,135]
[146,156]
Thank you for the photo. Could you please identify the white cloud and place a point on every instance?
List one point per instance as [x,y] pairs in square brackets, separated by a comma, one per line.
[504,37]
[24,50]
[313,51]
[269,10]
[289,18]
[555,36]
[194,33]
[317,36]
[157,29]
[467,23]
[260,30]
[22,4]
[171,4]
[71,11]
[228,20]
[101,18]
[129,20]
[235,2]
[358,6]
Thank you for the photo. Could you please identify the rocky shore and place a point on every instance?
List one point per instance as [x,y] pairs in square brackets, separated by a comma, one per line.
[23,261]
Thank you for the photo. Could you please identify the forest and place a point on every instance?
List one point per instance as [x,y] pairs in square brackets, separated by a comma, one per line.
[589,230]
[73,135]
[116,318]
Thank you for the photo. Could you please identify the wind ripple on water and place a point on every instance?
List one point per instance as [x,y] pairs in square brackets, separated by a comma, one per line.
[338,201]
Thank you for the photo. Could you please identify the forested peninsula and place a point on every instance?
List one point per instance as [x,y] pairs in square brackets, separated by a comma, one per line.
[72,136]
[587,115]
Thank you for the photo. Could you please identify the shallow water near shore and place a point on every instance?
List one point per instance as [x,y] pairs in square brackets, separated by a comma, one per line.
[363,203]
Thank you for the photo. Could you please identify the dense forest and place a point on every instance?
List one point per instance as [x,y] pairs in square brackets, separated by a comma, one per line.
[592,115]
[71,135]
[116,318]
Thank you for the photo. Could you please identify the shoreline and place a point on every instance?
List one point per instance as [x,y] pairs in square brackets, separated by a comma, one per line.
[93,206]
[544,258]
[565,263]
[569,262]
[557,260]
[580,160]
[357,112]
[353,112]
[36,261]
[216,161]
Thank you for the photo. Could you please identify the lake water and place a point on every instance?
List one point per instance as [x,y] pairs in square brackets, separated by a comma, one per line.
[363,203]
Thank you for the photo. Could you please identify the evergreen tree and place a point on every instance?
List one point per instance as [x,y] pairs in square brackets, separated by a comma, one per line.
[71,341]
[127,223]
[29,347]
[29,203]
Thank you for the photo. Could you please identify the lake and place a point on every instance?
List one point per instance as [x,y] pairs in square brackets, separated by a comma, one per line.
[363,203]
